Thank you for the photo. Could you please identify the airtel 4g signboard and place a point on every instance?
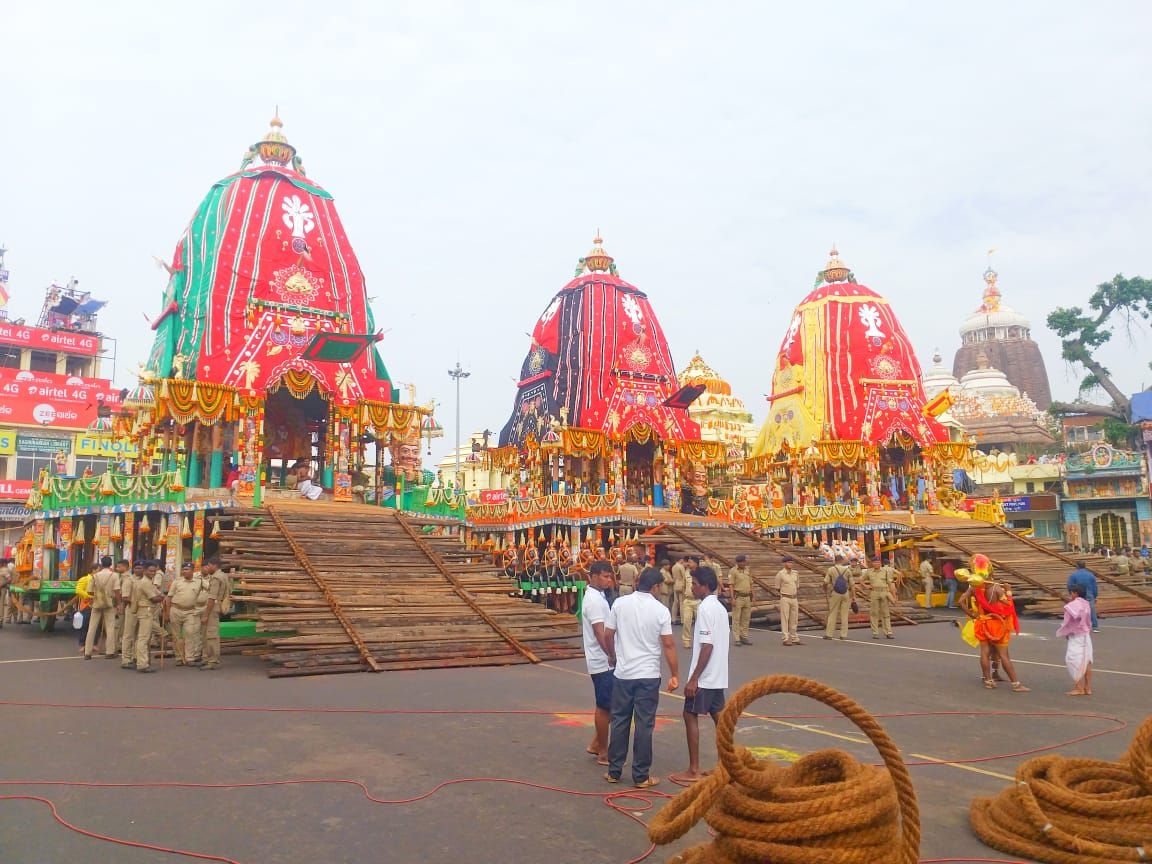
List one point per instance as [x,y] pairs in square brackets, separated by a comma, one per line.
[44,399]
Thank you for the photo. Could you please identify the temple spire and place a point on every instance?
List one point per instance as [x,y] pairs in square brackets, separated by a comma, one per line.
[991,294]
[835,270]
[597,260]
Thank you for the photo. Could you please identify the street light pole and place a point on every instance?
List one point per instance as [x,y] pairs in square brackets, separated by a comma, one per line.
[458,373]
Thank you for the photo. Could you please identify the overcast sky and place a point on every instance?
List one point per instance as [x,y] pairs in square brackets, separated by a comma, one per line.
[474,148]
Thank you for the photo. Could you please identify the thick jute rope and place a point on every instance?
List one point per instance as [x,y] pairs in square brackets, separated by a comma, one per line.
[1074,811]
[827,808]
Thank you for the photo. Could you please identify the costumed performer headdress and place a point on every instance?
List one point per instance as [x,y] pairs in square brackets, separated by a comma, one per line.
[965,575]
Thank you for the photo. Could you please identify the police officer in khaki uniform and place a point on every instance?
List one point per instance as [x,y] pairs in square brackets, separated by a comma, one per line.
[788,585]
[717,568]
[1122,563]
[219,592]
[180,607]
[105,584]
[928,575]
[128,582]
[688,605]
[881,587]
[627,574]
[679,585]
[668,596]
[740,580]
[145,598]
[839,575]
[163,581]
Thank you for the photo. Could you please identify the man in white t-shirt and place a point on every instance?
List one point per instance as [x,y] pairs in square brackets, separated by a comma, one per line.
[704,689]
[639,630]
[593,617]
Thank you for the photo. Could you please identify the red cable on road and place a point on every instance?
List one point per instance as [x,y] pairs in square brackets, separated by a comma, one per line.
[641,801]
[644,801]
[1120,724]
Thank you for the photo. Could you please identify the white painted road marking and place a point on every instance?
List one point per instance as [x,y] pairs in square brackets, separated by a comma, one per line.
[40,659]
[1096,670]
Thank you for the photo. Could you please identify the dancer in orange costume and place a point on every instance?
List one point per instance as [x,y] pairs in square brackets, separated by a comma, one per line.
[995,621]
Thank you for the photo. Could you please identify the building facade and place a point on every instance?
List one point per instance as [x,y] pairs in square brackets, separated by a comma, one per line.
[52,399]
[1004,337]
[722,416]
[1106,499]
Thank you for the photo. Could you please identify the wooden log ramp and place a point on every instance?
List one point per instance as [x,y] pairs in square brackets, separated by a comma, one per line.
[1037,569]
[340,588]
[765,556]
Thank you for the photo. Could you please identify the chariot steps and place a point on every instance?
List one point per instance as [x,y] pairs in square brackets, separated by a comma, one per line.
[366,589]
[1038,570]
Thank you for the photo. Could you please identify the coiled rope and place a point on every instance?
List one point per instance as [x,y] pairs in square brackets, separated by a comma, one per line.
[827,808]
[1074,811]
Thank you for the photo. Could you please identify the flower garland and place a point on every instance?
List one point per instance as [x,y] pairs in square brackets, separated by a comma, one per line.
[583,442]
[576,504]
[706,452]
[388,416]
[300,382]
[184,401]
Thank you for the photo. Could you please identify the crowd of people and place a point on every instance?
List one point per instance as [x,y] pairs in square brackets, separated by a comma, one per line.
[627,639]
[628,615]
[128,611]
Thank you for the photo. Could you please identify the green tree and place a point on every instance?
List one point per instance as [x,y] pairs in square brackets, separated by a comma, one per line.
[1118,433]
[1120,301]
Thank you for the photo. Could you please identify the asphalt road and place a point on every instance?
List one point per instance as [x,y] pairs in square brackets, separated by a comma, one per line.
[166,736]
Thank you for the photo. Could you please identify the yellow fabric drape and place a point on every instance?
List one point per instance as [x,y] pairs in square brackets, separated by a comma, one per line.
[583,442]
[957,454]
[185,401]
[847,453]
[299,382]
[706,452]
[388,416]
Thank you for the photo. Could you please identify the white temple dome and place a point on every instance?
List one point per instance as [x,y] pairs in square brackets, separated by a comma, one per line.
[985,380]
[994,320]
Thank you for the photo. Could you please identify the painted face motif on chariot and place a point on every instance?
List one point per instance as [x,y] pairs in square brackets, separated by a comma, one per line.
[793,329]
[870,318]
[551,311]
[297,215]
[632,309]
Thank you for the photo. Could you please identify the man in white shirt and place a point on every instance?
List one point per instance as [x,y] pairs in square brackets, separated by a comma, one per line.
[593,617]
[639,630]
[704,689]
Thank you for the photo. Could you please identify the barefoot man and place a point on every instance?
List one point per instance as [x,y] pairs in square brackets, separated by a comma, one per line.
[1077,629]
[704,689]
[593,614]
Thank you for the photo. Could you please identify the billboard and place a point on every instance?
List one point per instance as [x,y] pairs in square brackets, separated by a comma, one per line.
[15,490]
[108,448]
[50,400]
[40,339]
[1010,503]
[45,445]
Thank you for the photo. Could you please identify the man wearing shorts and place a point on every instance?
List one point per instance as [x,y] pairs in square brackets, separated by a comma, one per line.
[593,614]
[704,690]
